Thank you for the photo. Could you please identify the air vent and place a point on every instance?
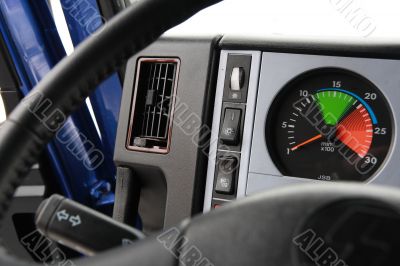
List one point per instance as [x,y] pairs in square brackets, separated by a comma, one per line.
[153,104]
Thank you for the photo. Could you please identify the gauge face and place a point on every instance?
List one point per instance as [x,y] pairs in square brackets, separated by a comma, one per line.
[329,124]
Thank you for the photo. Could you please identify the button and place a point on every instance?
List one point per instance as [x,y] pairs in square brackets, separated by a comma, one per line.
[224,185]
[227,169]
[237,78]
[230,131]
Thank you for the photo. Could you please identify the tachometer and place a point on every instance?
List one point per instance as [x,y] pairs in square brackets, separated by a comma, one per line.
[329,124]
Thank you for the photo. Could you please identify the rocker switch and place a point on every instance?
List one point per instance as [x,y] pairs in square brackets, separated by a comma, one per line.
[230,132]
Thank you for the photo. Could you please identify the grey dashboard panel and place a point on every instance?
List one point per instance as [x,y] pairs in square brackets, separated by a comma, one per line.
[277,69]
[172,183]
[179,176]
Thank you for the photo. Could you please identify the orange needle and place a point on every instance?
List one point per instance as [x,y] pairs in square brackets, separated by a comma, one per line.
[306,142]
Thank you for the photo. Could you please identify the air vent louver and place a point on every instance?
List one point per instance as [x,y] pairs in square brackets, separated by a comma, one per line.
[152,107]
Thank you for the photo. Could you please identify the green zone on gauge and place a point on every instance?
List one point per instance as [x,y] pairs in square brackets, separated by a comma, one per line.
[333,105]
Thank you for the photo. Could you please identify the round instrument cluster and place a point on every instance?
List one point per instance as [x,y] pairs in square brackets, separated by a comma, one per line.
[329,124]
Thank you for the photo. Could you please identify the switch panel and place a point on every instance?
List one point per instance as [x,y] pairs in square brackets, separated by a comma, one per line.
[232,127]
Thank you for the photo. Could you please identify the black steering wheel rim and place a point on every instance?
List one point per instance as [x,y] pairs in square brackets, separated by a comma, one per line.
[33,124]
[239,232]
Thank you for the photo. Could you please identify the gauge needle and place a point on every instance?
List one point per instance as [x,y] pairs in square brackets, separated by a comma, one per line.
[306,142]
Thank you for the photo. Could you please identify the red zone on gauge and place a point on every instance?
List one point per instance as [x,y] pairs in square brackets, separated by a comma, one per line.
[356,131]
[354,128]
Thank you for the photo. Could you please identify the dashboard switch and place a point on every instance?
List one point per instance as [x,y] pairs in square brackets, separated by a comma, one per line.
[230,132]
[227,169]
[237,78]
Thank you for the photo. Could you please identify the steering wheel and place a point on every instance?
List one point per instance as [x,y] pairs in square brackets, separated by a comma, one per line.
[339,224]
